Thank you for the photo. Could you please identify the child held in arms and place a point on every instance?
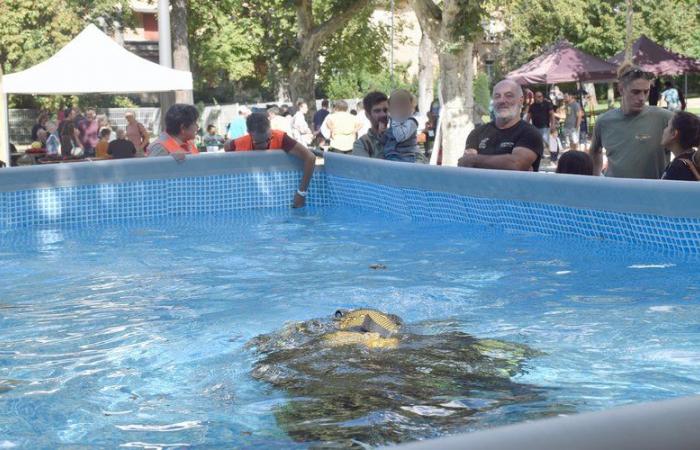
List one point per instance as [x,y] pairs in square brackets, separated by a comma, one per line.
[401,136]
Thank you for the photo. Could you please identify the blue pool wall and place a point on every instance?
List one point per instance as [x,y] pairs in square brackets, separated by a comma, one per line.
[660,214]
[98,191]
[664,215]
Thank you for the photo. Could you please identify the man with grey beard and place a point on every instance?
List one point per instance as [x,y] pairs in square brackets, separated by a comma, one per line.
[508,143]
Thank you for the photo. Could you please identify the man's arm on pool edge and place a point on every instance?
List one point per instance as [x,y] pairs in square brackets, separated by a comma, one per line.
[309,160]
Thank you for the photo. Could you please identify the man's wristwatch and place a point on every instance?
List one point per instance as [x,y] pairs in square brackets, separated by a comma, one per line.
[302,193]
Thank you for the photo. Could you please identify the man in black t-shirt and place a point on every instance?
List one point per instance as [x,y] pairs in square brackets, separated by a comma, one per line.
[121,147]
[542,116]
[508,143]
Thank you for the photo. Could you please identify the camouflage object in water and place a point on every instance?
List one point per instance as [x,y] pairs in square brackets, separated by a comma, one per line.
[352,386]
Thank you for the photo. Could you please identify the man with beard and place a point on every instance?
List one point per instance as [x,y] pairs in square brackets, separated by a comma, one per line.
[371,144]
[508,143]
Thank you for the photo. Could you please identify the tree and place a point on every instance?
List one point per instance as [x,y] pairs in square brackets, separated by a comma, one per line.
[357,83]
[180,42]
[426,73]
[595,26]
[353,60]
[315,26]
[276,45]
[453,26]
[629,33]
[31,31]
[226,47]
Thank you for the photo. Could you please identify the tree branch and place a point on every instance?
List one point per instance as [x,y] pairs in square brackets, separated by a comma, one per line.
[429,16]
[336,22]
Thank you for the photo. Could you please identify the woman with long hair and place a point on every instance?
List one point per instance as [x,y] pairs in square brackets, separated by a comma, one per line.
[680,136]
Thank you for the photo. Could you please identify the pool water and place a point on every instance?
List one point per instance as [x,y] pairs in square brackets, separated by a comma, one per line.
[133,334]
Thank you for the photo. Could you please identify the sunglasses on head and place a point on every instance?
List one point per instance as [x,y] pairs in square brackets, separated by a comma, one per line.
[637,73]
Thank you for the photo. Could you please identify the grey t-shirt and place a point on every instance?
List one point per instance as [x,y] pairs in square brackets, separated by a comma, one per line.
[633,142]
[572,111]
[370,145]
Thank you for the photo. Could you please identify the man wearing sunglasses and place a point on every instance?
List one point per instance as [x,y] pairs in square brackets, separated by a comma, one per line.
[261,137]
[371,144]
[631,134]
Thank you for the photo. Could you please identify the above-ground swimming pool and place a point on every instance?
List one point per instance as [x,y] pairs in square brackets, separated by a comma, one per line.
[131,330]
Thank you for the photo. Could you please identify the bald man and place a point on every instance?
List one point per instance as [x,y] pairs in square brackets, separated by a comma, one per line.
[508,143]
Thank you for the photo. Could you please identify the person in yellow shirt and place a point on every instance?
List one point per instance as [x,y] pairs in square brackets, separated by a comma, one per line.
[341,127]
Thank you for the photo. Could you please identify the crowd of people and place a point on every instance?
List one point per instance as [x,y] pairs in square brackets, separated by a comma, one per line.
[76,135]
[636,140]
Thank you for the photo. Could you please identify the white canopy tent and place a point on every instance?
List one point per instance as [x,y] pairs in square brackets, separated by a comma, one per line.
[90,63]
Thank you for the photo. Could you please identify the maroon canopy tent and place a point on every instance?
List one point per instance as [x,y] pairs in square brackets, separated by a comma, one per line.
[563,63]
[653,58]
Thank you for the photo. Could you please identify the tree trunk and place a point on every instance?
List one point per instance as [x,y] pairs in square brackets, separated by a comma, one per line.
[457,84]
[282,91]
[611,95]
[456,56]
[426,73]
[302,78]
[590,89]
[181,49]
[629,32]
[310,36]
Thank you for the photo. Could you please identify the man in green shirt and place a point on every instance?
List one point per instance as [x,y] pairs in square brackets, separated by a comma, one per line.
[631,134]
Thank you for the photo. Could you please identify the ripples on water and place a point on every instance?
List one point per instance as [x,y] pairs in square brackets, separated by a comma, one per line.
[132,335]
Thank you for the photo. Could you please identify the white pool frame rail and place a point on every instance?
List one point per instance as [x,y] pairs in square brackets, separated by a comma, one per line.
[664,425]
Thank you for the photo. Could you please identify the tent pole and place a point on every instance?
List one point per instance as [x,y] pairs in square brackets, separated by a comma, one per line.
[4,126]
[165,52]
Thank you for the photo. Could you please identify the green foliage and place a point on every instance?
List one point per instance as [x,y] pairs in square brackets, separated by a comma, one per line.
[595,26]
[355,84]
[239,48]
[467,25]
[225,41]
[31,31]
[361,44]
[354,58]
[105,13]
[56,102]
[120,101]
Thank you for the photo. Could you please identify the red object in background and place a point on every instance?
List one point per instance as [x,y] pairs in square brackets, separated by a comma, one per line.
[150,27]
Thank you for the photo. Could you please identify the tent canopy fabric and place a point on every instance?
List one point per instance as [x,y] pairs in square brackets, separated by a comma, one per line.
[94,63]
[563,63]
[653,58]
